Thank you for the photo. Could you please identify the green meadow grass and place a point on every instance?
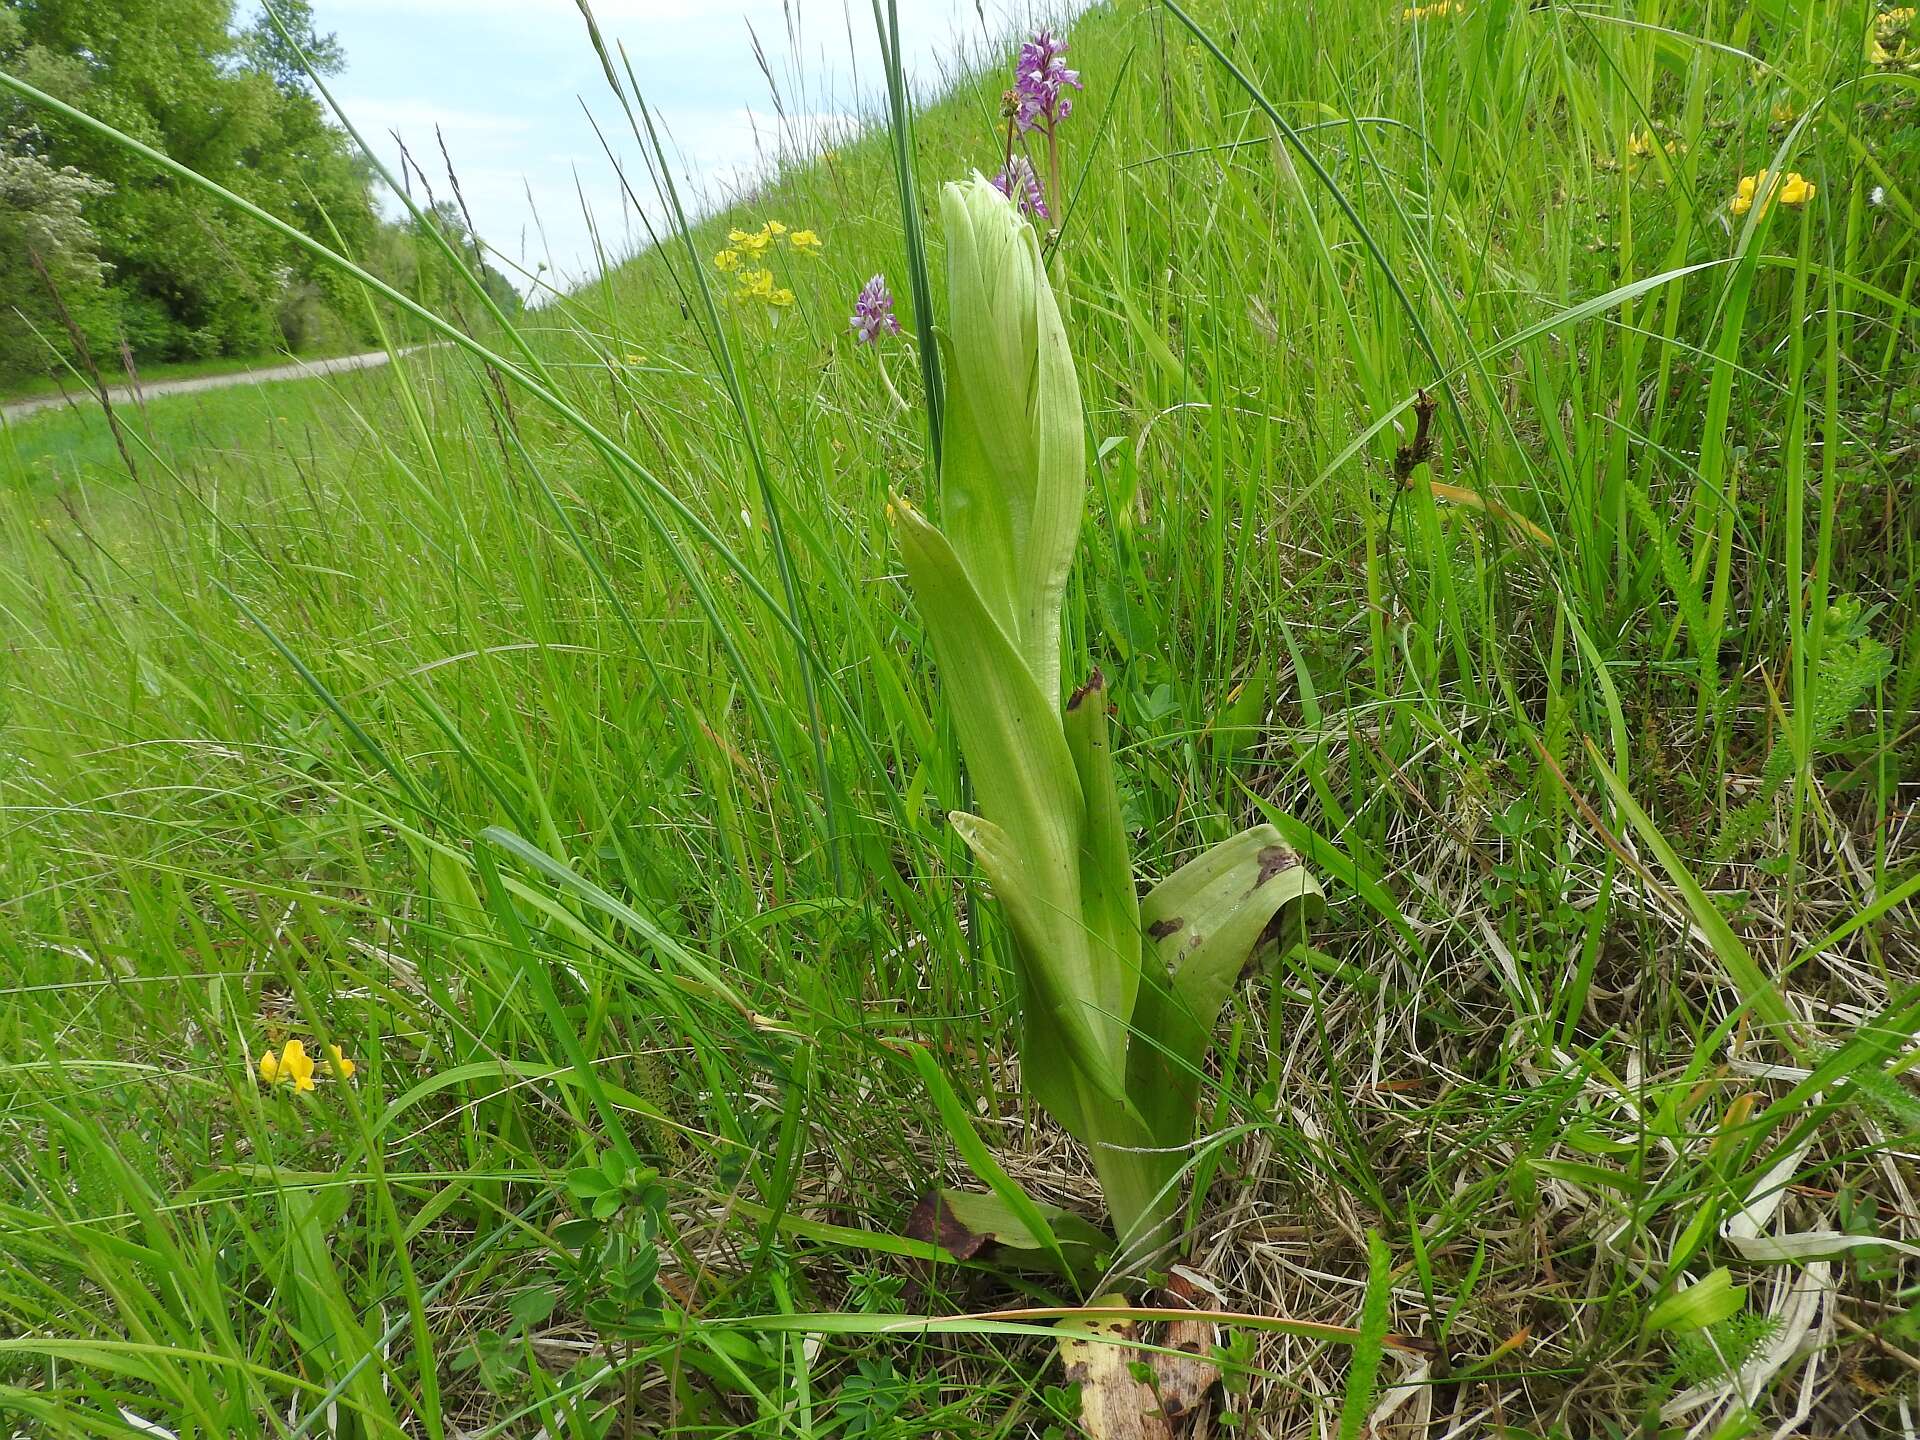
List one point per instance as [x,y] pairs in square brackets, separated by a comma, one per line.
[557,737]
[229,430]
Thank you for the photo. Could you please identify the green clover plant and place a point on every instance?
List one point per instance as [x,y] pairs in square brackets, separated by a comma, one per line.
[1118,994]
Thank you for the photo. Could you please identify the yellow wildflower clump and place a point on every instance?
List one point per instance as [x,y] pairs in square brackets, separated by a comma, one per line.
[754,281]
[1891,42]
[1438,10]
[292,1068]
[1641,144]
[745,256]
[751,242]
[1791,189]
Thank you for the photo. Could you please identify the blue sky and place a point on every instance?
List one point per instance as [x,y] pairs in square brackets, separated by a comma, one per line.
[504,81]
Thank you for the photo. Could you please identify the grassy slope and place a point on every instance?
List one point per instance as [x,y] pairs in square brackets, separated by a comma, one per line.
[1511,1052]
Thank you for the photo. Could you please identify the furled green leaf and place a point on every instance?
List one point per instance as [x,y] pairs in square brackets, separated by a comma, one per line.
[1014,446]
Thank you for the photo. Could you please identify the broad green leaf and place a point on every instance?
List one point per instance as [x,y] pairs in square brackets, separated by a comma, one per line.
[1081,1243]
[1202,924]
[1046,936]
[1107,901]
[1024,778]
[1711,1299]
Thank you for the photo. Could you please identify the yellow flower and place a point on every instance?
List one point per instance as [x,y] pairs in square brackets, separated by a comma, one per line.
[1435,11]
[805,241]
[1785,112]
[633,359]
[292,1067]
[1793,189]
[1880,55]
[774,227]
[1894,20]
[727,259]
[756,282]
[782,296]
[1640,143]
[753,242]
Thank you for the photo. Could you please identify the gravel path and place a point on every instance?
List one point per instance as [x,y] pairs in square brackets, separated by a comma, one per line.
[124,394]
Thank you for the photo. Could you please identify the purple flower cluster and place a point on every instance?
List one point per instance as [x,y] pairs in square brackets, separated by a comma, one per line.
[1019,184]
[1041,77]
[873,312]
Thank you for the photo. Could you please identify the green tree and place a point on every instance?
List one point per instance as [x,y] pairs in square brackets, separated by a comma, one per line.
[184,277]
[48,257]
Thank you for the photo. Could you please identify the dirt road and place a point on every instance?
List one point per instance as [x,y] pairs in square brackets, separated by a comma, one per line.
[124,395]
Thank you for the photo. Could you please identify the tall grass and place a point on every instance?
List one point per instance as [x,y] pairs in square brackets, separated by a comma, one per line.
[485,719]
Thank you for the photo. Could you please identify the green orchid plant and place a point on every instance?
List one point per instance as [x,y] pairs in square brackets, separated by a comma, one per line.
[1118,994]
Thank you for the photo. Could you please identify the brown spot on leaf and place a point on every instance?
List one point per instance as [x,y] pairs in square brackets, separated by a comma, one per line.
[1185,1381]
[1274,859]
[1161,929]
[1096,685]
[932,1222]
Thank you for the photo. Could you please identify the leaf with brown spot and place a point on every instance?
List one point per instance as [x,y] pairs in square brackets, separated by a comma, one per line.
[969,1225]
[1225,900]
[1186,1380]
[933,1222]
[1097,1358]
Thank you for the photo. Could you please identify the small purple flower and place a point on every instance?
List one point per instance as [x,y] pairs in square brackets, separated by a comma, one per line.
[873,312]
[1040,75]
[1019,184]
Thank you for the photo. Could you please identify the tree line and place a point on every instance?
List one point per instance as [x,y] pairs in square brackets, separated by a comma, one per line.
[99,248]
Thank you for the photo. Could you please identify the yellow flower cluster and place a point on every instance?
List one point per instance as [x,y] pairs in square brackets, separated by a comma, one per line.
[1891,34]
[756,283]
[1640,146]
[752,281]
[293,1067]
[1438,10]
[1793,188]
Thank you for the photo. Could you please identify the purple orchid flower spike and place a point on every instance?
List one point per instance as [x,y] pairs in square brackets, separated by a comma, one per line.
[873,312]
[1041,77]
[1019,184]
